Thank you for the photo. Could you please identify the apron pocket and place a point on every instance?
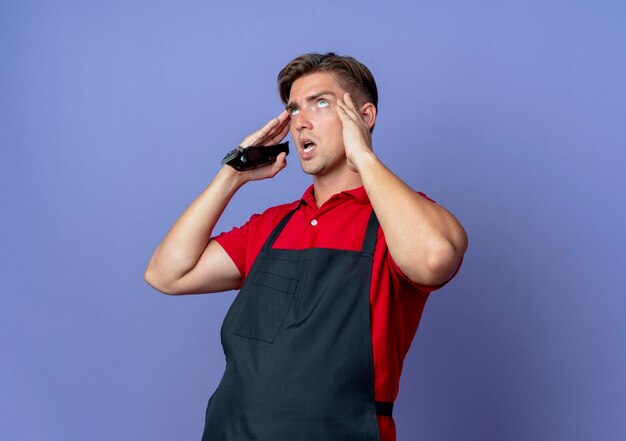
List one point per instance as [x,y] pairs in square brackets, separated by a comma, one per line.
[265,307]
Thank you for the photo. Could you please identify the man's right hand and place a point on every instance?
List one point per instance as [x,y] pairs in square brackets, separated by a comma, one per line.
[272,133]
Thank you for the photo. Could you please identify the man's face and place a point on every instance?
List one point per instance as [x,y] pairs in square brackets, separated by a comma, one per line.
[315,125]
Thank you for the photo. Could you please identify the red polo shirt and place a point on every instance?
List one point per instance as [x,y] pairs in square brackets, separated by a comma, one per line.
[396,303]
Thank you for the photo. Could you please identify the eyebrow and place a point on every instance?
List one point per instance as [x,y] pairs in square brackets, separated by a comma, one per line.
[292,104]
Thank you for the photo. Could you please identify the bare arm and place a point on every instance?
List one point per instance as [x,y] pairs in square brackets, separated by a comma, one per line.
[424,239]
[186,261]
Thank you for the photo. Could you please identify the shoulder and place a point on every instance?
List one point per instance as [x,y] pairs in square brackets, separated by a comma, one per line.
[270,217]
[243,243]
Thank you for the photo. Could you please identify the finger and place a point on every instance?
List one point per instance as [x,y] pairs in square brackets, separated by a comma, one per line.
[283,116]
[350,107]
[278,165]
[347,116]
[280,136]
[277,132]
[347,113]
[346,108]
[281,160]
[341,111]
[348,100]
[283,119]
[255,138]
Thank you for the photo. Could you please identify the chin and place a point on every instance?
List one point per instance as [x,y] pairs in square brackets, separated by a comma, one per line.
[311,168]
[314,171]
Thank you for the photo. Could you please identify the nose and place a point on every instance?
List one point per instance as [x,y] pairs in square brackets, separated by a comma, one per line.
[301,120]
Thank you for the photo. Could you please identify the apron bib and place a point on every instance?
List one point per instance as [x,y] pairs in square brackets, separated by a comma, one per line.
[298,348]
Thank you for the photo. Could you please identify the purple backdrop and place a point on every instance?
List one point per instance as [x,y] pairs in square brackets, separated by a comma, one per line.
[114,116]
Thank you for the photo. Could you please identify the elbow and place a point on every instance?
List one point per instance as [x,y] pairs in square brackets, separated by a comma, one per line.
[443,263]
[438,266]
[442,266]
[151,278]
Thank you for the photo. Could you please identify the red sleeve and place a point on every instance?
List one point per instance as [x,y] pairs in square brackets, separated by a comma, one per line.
[242,244]
[235,243]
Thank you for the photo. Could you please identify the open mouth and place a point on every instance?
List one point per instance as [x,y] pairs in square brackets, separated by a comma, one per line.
[308,146]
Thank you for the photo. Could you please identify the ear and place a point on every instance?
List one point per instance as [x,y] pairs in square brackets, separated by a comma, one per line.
[368,113]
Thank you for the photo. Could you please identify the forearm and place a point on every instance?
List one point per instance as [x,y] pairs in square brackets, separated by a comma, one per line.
[185,261]
[423,238]
[186,240]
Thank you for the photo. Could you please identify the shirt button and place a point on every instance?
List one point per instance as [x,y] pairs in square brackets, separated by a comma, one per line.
[314,222]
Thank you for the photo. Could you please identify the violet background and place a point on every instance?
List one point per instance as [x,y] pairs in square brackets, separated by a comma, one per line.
[115,115]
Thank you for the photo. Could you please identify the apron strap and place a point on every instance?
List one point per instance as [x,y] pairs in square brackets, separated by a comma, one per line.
[278,229]
[369,242]
[383,408]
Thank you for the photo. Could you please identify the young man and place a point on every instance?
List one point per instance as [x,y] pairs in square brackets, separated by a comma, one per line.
[334,284]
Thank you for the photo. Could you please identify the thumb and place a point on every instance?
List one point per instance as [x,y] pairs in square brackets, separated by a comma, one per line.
[279,164]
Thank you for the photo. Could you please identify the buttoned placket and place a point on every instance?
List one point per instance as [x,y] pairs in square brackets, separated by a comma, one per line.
[313,219]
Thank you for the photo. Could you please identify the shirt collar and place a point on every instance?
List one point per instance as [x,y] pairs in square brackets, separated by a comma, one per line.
[358,193]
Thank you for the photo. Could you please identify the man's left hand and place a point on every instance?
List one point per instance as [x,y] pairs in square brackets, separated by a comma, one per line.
[357,139]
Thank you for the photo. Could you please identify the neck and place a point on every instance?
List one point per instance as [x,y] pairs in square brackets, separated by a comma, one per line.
[325,186]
